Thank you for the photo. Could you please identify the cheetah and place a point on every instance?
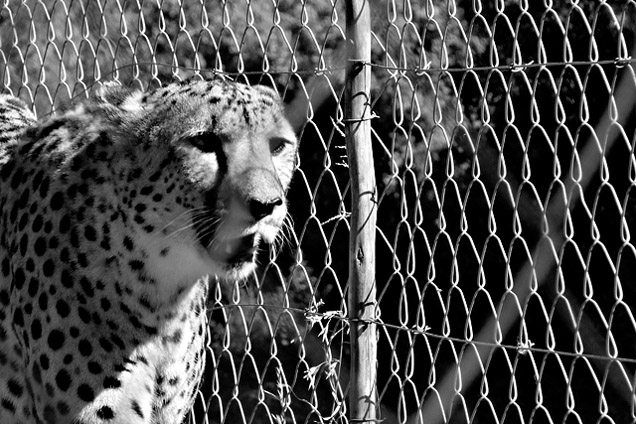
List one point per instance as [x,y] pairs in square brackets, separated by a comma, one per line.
[115,217]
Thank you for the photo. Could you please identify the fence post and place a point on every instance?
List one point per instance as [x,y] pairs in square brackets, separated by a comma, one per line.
[361,296]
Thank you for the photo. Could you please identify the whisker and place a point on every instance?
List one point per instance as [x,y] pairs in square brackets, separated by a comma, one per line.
[207,228]
[219,231]
[283,238]
[196,215]
[171,222]
[207,233]
[286,232]
[192,213]
[180,229]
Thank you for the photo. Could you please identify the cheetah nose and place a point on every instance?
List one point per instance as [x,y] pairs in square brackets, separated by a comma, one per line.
[260,209]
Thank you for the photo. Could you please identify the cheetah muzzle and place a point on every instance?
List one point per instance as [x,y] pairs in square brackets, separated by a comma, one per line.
[114,216]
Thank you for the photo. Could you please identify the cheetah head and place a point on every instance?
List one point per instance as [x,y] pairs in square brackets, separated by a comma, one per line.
[214,161]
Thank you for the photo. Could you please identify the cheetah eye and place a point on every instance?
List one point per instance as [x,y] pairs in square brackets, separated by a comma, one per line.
[206,142]
[277,145]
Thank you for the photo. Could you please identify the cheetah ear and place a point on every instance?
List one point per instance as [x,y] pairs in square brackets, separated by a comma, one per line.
[119,96]
[114,93]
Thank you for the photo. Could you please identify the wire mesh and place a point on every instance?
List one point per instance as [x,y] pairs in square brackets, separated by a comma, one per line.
[504,138]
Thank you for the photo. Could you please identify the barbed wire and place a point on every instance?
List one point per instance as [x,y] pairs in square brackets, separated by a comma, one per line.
[617,62]
[338,316]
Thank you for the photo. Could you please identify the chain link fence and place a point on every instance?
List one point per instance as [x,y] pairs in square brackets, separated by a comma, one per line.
[503,137]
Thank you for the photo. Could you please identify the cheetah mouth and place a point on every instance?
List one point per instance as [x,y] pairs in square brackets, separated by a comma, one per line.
[236,251]
[231,252]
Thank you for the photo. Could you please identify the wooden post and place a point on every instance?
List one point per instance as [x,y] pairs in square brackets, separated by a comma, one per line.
[361,296]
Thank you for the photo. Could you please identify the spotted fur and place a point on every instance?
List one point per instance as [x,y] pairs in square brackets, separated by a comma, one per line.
[14,118]
[114,216]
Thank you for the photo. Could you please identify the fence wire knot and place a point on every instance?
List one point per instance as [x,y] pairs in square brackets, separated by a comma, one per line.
[368,117]
[621,62]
